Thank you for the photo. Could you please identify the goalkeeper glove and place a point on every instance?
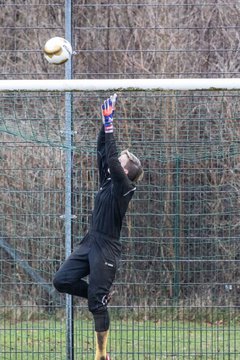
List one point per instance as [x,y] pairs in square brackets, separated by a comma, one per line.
[108,109]
[114,101]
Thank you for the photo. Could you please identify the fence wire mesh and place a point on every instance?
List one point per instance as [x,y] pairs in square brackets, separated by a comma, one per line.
[177,289]
[123,39]
[178,283]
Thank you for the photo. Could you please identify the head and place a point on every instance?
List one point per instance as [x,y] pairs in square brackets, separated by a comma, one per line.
[131,165]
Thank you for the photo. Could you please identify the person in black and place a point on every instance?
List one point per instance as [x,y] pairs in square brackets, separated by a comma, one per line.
[99,252]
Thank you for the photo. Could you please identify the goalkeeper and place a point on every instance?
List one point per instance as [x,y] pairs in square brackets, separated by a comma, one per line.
[99,252]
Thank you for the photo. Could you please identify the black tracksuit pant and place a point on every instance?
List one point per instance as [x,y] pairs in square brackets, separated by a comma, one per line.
[97,257]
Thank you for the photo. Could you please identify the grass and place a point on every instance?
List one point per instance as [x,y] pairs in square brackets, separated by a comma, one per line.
[129,339]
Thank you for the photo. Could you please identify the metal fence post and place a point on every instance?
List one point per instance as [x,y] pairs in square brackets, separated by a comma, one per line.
[68,186]
[177,224]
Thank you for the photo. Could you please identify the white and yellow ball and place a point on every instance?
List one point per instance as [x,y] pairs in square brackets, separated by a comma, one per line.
[57,50]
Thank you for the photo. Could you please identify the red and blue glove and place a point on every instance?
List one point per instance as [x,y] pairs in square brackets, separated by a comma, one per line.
[108,109]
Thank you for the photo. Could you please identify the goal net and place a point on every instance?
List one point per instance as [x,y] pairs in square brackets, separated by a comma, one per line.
[181,233]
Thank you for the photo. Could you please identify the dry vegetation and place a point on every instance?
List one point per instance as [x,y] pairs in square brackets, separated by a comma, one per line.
[181,234]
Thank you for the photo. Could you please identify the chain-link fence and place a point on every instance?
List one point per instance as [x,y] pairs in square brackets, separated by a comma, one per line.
[176,292]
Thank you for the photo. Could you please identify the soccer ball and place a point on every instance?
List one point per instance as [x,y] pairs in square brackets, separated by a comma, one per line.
[57,50]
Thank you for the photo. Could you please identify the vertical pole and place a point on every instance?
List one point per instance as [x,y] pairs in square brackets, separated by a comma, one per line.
[68,186]
[177,207]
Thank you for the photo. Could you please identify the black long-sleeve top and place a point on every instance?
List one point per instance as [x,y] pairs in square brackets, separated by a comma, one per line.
[116,190]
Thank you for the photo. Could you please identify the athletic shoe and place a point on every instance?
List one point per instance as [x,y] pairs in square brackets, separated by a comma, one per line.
[107,298]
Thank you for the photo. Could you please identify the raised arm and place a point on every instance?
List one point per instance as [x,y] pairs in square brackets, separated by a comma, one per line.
[121,183]
[101,156]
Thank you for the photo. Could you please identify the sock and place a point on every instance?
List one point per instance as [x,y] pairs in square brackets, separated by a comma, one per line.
[101,345]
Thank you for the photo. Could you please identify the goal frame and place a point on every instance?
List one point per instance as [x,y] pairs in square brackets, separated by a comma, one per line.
[71,85]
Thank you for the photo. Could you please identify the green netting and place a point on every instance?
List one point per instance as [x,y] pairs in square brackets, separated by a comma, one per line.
[177,289]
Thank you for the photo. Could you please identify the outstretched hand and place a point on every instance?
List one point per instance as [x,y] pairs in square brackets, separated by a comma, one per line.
[114,101]
[108,110]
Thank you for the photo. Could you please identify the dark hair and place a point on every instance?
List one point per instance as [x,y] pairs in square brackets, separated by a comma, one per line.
[133,166]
